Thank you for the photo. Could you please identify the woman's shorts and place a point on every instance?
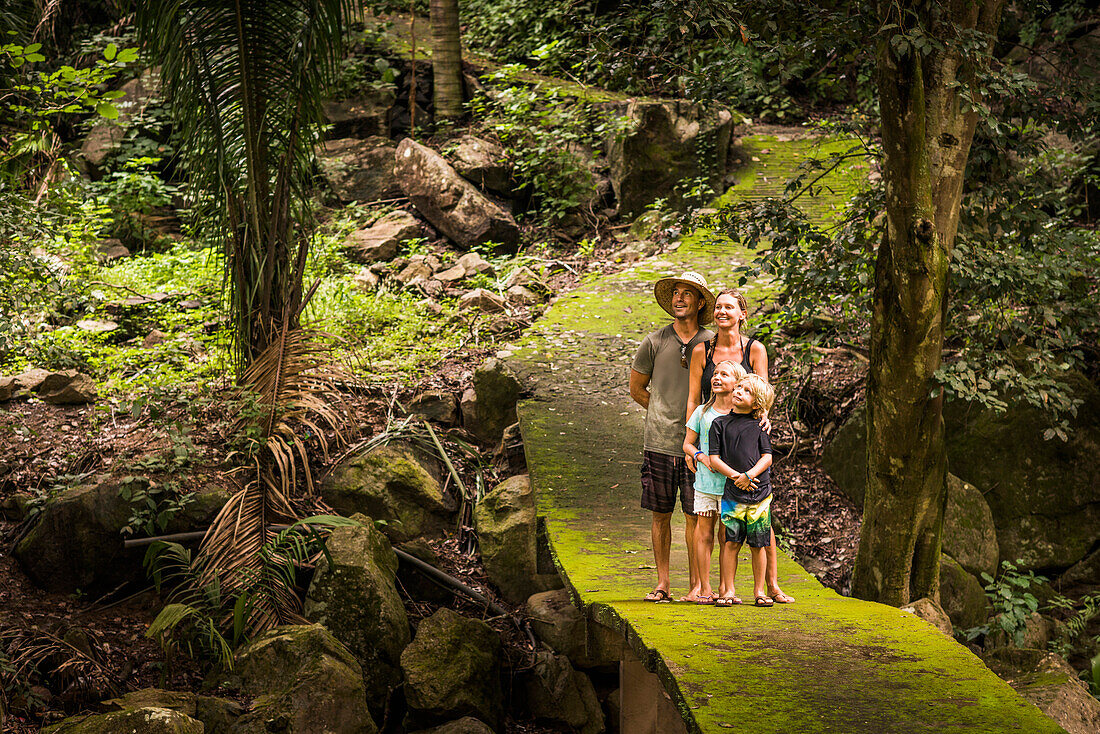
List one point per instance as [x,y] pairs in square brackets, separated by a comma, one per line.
[750,524]
[707,504]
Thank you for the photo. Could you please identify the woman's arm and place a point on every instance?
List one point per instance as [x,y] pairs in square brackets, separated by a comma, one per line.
[758,359]
[695,377]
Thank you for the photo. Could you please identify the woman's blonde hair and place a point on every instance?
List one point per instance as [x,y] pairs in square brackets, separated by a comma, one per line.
[763,394]
[738,372]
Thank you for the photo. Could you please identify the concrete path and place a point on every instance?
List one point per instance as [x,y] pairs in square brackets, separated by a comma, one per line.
[824,664]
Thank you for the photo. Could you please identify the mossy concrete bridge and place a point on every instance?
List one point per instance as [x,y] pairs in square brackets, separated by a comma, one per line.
[824,664]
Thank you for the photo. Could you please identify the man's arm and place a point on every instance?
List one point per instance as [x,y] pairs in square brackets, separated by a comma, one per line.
[639,381]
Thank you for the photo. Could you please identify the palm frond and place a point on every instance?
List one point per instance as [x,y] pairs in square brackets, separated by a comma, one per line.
[36,653]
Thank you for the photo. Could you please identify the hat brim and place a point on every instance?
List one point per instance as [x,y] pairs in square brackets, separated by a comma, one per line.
[662,291]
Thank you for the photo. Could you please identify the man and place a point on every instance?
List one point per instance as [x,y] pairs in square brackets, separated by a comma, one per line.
[659,383]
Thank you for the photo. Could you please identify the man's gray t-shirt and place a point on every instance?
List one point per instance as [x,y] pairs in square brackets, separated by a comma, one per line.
[659,357]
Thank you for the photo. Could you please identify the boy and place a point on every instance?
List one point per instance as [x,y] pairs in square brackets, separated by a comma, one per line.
[740,451]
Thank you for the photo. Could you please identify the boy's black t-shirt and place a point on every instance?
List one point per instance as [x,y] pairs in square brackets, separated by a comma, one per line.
[739,441]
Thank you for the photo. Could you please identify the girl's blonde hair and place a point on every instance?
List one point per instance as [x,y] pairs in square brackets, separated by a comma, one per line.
[738,371]
[763,394]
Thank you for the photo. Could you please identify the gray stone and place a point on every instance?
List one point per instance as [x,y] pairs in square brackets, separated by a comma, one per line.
[131,721]
[389,484]
[356,600]
[482,162]
[77,542]
[452,669]
[968,532]
[505,519]
[559,624]
[67,388]
[216,714]
[440,406]
[1050,683]
[469,264]
[304,681]
[931,612]
[511,451]
[482,300]
[523,296]
[1083,575]
[671,141]
[362,117]
[380,241]
[359,170]
[527,278]
[962,595]
[418,270]
[366,279]
[7,388]
[557,694]
[452,204]
[498,391]
[465,725]
[31,379]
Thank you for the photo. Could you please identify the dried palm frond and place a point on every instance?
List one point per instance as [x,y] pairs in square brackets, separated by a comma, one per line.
[81,672]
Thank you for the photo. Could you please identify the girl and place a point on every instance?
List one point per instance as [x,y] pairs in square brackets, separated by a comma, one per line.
[730,315]
[708,485]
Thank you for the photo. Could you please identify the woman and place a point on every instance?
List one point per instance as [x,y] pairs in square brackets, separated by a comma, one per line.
[730,315]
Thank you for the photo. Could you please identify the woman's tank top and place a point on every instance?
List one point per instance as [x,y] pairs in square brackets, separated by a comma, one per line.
[708,365]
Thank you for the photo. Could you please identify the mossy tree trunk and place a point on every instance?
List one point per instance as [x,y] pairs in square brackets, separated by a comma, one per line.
[446,59]
[925,63]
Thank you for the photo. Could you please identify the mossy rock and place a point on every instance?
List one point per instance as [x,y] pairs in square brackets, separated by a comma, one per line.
[1046,680]
[968,532]
[505,519]
[845,457]
[1043,494]
[557,694]
[962,595]
[465,725]
[77,541]
[558,623]
[389,484]
[452,669]
[147,720]
[304,681]
[216,714]
[356,600]
[497,392]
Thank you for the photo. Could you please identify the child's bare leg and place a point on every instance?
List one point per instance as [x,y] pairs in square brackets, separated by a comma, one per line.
[727,568]
[690,521]
[773,574]
[759,568]
[704,548]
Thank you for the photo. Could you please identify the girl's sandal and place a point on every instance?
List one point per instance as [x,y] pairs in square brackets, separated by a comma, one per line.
[764,601]
[727,601]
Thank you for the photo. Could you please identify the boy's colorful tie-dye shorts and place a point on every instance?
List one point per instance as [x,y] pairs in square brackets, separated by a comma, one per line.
[750,524]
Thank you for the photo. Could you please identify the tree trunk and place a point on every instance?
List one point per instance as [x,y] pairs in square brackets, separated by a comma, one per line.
[927,129]
[446,59]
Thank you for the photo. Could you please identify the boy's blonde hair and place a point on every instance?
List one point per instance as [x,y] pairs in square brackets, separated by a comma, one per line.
[737,370]
[763,394]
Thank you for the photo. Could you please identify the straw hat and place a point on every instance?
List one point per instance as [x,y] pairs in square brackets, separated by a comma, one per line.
[662,291]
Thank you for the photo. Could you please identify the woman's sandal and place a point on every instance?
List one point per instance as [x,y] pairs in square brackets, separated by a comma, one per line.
[764,601]
[707,600]
[659,596]
[727,601]
[783,598]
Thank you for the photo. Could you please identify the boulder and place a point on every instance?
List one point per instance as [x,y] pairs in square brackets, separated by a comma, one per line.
[304,681]
[359,170]
[418,269]
[361,117]
[30,379]
[440,406]
[469,264]
[452,204]
[77,542]
[1083,575]
[7,388]
[483,163]
[844,458]
[147,720]
[522,296]
[1037,632]
[354,597]
[962,595]
[67,388]
[379,242]
[1050,683]
[557,694]
[110,250]
[510,451]
[216,714]
[931,612]
[153,338]
[465,725]
[524,276]
[482,300]
[106,135]
[505,519]
[389,484]
[559,624]
[671,141]
[968,532]
[497,391]
[366,278]
[452,669]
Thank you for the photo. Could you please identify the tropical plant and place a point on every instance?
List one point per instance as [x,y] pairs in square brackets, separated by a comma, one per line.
[245,82]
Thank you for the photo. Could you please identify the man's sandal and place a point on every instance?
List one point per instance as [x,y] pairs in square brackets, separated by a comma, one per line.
[764,601]
[659,596]
[727,601]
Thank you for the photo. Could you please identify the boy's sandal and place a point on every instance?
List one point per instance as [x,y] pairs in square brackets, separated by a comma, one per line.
[727,601]
[783,598]
[659,596]
[764,601]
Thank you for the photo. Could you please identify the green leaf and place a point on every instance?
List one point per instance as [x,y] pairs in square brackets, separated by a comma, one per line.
[110,52]
[127,56]
[107,110]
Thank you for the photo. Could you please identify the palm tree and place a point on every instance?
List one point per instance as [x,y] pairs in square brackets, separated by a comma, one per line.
[245,79]
[446,59]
